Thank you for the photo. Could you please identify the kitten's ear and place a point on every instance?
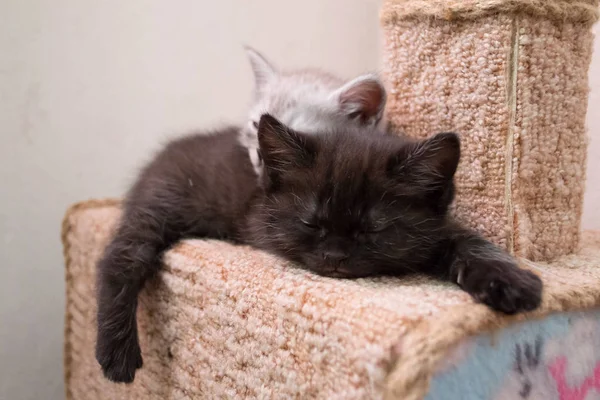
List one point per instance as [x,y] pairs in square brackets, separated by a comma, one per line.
[281,148]
[362,99]
[431,162]
[262,68]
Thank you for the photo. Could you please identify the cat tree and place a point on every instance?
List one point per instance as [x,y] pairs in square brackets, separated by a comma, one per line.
[227,321]
[511,78]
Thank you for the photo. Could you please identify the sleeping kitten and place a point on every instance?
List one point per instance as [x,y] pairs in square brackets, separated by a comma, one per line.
[309,100]
[344,203]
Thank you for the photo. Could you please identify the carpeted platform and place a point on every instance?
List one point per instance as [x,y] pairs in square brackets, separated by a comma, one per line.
[225,321]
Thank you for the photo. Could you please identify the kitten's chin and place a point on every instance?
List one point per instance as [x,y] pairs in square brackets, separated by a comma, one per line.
[338,273]
[333,270]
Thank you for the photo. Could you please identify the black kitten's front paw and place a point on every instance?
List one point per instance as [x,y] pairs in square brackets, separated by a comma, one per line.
[503,286]
[119,357]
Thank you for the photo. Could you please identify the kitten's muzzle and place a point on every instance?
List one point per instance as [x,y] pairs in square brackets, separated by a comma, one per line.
[335,256]
[334,264]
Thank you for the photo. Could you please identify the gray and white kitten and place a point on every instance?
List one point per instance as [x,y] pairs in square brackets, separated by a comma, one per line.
[309,100]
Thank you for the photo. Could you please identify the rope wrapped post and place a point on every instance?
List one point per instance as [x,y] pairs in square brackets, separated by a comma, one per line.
[511,77]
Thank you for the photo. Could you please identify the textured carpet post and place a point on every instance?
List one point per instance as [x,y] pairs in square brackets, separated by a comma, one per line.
[511,76]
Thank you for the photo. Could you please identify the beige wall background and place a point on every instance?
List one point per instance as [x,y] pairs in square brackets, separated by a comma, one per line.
[591,211]
[89,89]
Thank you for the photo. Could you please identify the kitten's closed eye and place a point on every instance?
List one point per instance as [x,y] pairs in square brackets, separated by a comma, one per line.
[309,224]
[255,124]
[376,227]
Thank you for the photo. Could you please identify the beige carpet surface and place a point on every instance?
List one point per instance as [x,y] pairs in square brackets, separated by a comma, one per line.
[511,77]
[226,321]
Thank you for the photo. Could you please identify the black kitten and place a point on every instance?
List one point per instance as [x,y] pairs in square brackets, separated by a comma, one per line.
[342,204]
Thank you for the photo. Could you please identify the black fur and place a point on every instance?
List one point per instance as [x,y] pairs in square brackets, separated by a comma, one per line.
[341,204]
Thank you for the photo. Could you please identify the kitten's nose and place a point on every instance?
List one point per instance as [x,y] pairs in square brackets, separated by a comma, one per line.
[335,255]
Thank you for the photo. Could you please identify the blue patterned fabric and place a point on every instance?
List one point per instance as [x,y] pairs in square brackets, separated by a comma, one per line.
[557,358]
